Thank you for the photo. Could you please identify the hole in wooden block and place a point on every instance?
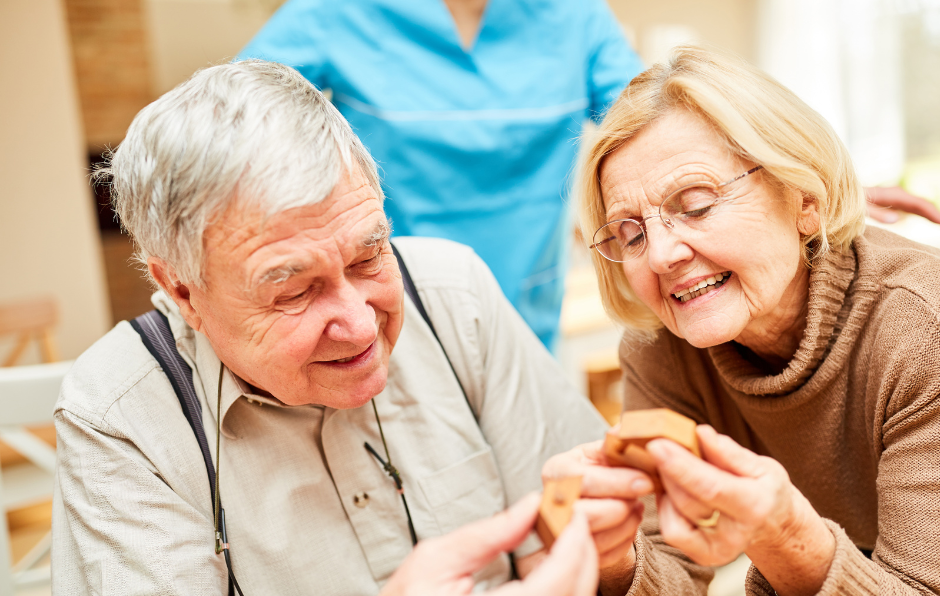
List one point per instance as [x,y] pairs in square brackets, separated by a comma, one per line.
[558,497]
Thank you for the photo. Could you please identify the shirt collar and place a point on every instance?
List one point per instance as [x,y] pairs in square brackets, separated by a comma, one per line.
[201,357]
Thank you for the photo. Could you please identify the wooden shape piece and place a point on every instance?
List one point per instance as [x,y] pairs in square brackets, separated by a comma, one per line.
[558,497]
[626,445]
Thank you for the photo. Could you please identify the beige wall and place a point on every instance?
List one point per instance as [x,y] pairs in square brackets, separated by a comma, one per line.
[48,239]
[112,66]
[730,24]
[186,35]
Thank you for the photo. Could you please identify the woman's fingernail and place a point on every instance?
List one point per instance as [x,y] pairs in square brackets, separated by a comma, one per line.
[642,486]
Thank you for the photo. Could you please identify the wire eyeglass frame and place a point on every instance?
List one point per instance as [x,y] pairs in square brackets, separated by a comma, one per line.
[605,233]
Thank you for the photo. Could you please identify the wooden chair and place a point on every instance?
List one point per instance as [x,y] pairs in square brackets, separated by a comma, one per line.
[30,320]
[27,398]
[602,370]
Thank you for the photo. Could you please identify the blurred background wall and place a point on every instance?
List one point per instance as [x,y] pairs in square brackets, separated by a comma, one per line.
[49,243]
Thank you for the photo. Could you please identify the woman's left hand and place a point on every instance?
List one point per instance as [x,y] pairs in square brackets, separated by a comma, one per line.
[759,512]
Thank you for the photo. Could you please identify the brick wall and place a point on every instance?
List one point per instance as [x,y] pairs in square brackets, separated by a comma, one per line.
[112,66]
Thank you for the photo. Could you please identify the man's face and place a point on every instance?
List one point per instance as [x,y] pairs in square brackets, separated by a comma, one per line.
[305,305]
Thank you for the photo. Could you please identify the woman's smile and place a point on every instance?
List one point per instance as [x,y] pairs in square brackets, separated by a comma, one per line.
[701,287]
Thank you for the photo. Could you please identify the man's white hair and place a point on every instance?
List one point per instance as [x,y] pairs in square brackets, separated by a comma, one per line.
[252,131]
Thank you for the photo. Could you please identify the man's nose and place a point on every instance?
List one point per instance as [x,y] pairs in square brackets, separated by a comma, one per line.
[665,247]
[353,318]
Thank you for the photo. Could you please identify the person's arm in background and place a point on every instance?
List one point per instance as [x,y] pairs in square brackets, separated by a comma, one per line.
[612,63]
[884,202]
[295,35]
[446,564]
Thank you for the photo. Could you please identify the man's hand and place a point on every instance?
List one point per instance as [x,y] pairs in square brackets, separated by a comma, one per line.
[444,566]
[609,500]
[885,202]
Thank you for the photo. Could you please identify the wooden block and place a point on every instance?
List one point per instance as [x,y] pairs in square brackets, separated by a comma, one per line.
[626,444]
[558,497]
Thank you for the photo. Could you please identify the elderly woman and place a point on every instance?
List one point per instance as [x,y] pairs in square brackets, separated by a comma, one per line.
[729,238]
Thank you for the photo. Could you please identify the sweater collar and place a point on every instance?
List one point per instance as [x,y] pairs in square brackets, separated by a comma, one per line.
[828,284]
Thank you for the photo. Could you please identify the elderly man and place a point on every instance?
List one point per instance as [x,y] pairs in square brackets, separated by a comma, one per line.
[258,213]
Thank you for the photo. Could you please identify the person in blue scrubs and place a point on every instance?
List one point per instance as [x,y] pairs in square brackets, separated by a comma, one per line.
[475,136]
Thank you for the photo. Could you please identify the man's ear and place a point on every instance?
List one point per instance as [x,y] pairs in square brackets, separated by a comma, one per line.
[807,221]
[179,292]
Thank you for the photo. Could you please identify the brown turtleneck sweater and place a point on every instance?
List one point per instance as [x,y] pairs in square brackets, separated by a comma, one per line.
[854,418]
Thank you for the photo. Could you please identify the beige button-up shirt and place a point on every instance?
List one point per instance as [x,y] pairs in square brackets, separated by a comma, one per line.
[308,509]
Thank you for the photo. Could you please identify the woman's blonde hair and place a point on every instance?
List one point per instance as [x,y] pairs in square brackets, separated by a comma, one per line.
[761,120]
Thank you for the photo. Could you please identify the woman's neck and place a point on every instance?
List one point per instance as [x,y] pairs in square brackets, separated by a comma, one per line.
[468,15]
[775,337]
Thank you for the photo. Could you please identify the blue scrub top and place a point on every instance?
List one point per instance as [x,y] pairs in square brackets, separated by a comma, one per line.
[473,145]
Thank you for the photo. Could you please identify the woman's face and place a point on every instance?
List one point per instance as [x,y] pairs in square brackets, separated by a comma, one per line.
[751,242]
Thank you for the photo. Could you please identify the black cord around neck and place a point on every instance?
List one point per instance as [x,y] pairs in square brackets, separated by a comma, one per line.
[392,471]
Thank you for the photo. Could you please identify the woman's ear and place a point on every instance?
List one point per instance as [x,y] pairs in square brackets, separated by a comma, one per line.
[807,221]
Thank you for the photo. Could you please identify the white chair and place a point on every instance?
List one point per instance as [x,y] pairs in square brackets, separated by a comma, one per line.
[34,319]
[27,398]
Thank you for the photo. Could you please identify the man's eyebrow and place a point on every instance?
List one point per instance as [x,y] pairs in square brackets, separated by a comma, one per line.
[281,273]
[379,234]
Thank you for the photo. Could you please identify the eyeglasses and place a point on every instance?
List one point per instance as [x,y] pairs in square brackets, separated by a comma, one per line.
[690,207]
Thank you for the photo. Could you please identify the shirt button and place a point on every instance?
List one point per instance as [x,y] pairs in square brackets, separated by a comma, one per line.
[361,500]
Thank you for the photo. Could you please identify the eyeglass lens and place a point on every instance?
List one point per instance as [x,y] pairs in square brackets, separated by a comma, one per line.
[688,207]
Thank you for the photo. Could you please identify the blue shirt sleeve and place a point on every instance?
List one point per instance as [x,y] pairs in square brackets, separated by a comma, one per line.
[294,36]
[612,63]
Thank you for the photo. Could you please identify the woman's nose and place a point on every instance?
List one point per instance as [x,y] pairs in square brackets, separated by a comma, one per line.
[665,247]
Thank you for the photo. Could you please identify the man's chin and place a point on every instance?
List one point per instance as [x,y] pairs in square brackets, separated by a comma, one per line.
[346,398]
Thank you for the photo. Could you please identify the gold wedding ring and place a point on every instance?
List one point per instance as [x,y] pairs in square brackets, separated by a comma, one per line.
[709,522]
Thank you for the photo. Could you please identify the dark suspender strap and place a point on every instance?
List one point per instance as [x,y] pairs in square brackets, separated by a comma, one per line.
[154,330]
[413,294]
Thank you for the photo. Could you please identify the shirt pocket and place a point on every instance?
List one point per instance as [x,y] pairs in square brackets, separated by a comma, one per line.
[466,491]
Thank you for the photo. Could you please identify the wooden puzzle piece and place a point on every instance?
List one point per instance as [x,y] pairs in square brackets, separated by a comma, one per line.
[558,497]
[626,445]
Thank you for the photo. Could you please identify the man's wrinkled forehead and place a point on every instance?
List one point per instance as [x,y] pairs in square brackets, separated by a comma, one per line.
[281,273]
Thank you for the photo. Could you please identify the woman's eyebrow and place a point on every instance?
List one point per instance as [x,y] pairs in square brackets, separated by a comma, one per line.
[624,210]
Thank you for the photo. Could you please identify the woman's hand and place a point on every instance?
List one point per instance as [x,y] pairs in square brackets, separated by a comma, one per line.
[444,566]
[609,501]
[759,512]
